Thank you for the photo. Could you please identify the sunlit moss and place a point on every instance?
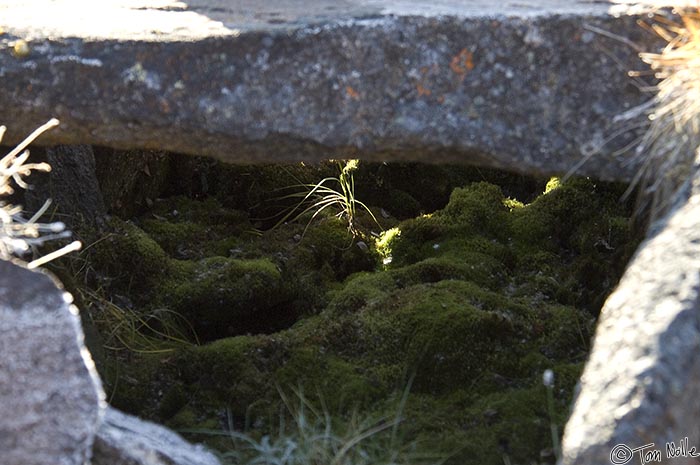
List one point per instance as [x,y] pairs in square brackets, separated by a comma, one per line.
[512,204]
[383,244]
[553,183]
[480,298]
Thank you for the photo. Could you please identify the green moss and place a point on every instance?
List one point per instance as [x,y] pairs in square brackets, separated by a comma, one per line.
[224,296]
[211,368]
[416,240]
[261,364]
[512,204]
[553,183]
[193,229]
[176,238]
[511,424]
[431,184]
[385,242]
[207,211]
[470,266]
[337,381]
[257,189]
[555,216]
[132,260]
[401,204]
[532,230]
[442,332]
[478,300]
[360,290]
[129,383]
[173,401]
[477,208]
[330,243]
[189,418]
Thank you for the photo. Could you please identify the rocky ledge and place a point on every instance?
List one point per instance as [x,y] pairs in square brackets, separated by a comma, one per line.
[530,86]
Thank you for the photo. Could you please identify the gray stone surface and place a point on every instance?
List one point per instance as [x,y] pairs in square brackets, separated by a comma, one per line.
[641,384]
[529,86]
[126,440]
[50,396]
[71,184]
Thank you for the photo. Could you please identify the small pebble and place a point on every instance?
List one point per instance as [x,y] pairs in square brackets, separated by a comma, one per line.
[548,378]
[20,49]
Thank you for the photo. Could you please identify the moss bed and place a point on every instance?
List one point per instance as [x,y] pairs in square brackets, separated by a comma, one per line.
[199,314]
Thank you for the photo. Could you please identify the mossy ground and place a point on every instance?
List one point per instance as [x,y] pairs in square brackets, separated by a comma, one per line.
[467,305]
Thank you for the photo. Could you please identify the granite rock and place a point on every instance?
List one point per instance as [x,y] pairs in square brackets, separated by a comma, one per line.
[641,384]
[529,86]
[126,440]
[72,184]
[51,399]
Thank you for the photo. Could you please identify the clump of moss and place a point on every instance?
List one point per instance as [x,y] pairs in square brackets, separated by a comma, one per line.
[472,303]
[574,241]
[129,260]
[226,296]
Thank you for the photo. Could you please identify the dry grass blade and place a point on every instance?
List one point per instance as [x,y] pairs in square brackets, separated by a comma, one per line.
[157,332]
[317,437]
[666,151]
[18,235]
[318,197]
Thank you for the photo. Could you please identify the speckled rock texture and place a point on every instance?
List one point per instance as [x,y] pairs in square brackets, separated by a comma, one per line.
[641,386]
[530,86]
[126,440]
[50,396]
[71,184]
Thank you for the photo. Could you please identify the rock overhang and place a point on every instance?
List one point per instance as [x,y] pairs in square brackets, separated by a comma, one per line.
[527,86]
[167,20]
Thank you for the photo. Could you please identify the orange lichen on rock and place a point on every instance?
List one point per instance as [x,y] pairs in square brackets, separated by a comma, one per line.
[352,93]
[423,91]
[462,63]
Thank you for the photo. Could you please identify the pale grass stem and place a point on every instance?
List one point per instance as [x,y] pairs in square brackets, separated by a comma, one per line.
[17,235]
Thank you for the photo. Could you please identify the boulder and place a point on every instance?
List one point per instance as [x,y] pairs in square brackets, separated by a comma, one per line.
[51,399]
[640,388]
[71,184]
[125,440]
[528,86]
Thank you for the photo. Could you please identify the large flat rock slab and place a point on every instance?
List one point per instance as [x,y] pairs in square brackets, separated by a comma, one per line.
[530,86]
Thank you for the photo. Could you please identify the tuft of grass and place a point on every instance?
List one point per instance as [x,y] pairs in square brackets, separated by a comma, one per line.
[315,437]
[19,236]
[548,381]
[157,332]
[667,150]
[337,193]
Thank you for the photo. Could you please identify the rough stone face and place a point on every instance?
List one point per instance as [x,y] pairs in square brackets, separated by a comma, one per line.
[126,440]
[642,382]
[71,184]
[529,86]
[50,396]
[130,179]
